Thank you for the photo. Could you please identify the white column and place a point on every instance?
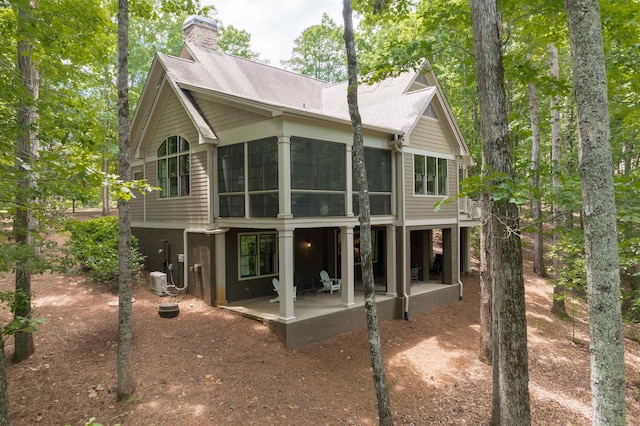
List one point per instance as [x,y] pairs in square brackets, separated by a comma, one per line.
[391,261]
[284,177]
[348,206]
[220,270]
[285,268]
[346,244]
[214,205]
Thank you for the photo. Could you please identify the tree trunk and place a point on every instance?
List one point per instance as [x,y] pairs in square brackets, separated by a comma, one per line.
[27,147]
[558,307]
[375,347]
[105,189]
[510,358]
[126,385]
[5,406]
[485,351]
[599,213]
[536,207]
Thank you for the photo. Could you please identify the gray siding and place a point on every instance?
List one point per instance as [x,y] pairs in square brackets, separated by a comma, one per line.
[222,117]
[193,208]
[422,207]
[429,135]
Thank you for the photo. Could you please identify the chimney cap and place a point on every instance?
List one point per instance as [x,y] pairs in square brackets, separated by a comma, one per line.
[200,20]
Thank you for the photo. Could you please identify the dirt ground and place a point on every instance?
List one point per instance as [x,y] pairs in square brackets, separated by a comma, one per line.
[211,367]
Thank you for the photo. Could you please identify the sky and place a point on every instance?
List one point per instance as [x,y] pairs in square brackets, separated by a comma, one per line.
[274,24]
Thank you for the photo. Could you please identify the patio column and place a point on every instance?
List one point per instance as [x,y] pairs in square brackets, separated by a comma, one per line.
[391,261]
[284,177]
[346,244]
[348,205]
[285,267]
[220,269]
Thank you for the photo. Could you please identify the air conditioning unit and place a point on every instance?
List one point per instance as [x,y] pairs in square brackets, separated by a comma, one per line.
[158,282]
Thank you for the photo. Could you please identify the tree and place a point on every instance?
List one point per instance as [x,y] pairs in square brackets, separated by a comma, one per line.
[598,213]
[237,42]
[536,205]
[558,306]
[318,52]
[27,147]
[126,385]
[510,359]
[375,347]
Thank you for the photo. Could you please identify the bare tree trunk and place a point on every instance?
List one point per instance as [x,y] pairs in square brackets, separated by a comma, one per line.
[558,306]
[126,385]
[599,213]
[536,207]
[105,189]
[5,406]
[375,347]
[27,148]
[510,357]
[486,342]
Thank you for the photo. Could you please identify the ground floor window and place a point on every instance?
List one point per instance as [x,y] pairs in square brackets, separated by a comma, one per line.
[258,255]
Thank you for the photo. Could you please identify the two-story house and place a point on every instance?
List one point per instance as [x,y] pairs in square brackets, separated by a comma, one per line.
[254,166]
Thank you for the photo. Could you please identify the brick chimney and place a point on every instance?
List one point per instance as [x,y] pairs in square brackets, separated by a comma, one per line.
[200,31]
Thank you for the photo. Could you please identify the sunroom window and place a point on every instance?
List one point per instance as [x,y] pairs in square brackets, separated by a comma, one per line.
[429,175]
[173,167]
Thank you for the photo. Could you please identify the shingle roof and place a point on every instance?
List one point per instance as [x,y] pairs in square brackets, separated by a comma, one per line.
[385,104]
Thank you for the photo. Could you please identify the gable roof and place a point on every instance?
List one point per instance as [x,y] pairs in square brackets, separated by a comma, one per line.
[387,105]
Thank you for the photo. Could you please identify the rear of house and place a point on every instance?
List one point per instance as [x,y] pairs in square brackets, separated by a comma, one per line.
[255,169]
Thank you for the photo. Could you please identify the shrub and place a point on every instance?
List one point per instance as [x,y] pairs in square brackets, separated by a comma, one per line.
[94,246]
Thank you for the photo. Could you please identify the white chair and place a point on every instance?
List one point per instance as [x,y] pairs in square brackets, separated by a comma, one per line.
[415,274]
[329,284]
[276,288]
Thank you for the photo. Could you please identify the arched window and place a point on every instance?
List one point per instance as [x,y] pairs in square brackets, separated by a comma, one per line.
[173,167]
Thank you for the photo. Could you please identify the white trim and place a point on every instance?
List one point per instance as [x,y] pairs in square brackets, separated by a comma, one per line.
[430,222]
[415,151]
[173,225]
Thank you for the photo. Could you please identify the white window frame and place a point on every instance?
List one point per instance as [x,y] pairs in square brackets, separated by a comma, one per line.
[258,236]
[178,155]
[436,184]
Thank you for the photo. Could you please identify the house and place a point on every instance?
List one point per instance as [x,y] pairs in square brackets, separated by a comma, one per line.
[254,166]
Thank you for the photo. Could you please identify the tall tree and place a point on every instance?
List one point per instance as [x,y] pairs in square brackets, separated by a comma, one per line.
[27,147]
[558,305]
[5,406]
[373,328]
[510,358]
[126,385]
[318,52]
[536,205]
[598,213]
[237,42]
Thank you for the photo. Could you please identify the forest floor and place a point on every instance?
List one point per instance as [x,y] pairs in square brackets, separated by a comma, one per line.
[211,367]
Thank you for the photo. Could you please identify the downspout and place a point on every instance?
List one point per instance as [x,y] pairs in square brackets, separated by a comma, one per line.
[186,248]
[397,145]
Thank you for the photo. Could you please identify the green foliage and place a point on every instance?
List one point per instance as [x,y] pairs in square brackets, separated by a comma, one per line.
[94,246]
[319,52]
[19,300]
[237,42]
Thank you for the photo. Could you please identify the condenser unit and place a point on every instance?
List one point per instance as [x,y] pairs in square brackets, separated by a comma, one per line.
[158,282]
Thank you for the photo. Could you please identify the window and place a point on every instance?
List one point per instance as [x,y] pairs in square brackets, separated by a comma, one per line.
[260,178]
[258,255]
[318,180]
[429,175]
[378,165]
[173,167]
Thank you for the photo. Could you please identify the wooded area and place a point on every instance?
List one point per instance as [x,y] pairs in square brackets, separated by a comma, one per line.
[561,153]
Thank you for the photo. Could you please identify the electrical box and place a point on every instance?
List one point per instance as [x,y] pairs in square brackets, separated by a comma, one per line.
[181,258]
[158,282]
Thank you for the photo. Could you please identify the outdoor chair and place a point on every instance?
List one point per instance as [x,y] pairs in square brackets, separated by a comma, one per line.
[276,288]
[329,284]
[414,274]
